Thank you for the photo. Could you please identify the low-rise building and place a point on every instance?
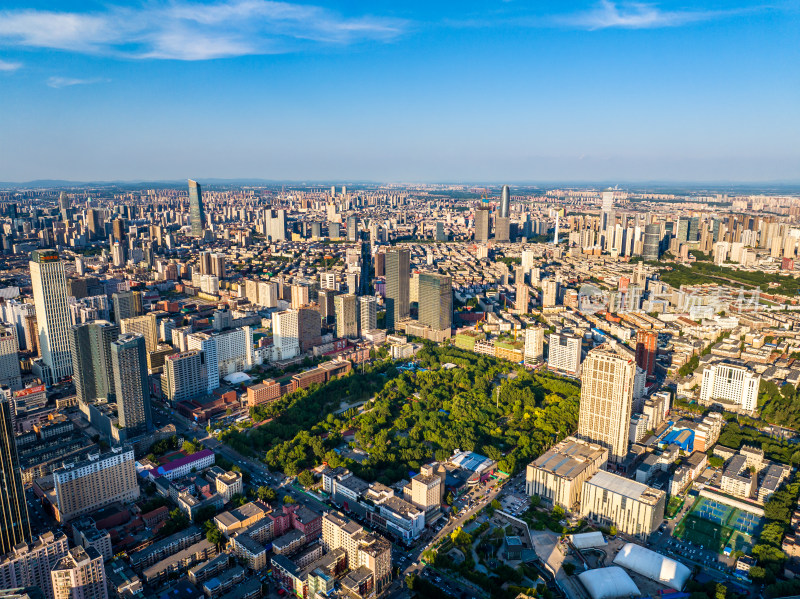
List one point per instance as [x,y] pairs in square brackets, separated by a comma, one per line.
[633,508]
[557,476]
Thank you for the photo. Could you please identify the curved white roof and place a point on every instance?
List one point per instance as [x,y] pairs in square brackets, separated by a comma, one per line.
[653,566]
[609,583]
[588,539]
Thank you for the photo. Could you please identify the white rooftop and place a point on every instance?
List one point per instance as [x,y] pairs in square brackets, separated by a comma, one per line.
[618,484]
[586,540]
[608,583]
[653,565]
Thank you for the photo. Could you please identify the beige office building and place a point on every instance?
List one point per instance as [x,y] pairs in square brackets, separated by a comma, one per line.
[558,475]
[612,500]
[146,325]
[426,489]
[607,398]
[101,480]
[80,575]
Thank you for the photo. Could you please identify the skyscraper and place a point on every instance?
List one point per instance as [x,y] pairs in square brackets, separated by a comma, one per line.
[367,313]
[90,345]
[482,223]
[505,202]
[14,524]
[646,350]
[129,358]
[652,242]
[502,223]
[398,284]
[309,327]
[9,356]
[146,325]
[436,301]
[196,214]
[127,304]
[607,398]
[52,314]
[346,315]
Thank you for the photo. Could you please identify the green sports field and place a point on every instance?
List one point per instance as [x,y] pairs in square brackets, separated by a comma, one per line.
[716,526]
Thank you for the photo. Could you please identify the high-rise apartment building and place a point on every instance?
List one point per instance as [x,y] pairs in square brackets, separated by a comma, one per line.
[93,370]
[327,307]
[534,345]
[564,353]
[185,376]
[523,295]
[103,479]
[286,333]
[14,524]
[29,565]
[398,275]
[80,575]
[436,301]
[309,327]
[196,214]
[300,296]
[549,293]
[9,357]
[129,360]
[52,315]
[127,304]
[607,377]
[346,315]
[367,313]
[367,553]
[482,214]
[208,345]
[646,350]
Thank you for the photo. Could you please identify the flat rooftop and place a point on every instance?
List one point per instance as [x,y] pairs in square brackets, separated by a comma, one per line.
[570,458]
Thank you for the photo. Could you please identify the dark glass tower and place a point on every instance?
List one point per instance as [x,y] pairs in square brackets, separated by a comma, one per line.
[398,286]
[15,527]
[196,214]
[129,360]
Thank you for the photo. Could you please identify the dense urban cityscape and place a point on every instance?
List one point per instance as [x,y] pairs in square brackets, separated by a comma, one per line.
[233,392]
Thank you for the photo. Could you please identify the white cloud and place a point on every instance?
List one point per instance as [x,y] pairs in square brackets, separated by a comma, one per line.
[6,66]
[183,30]
[631,15]
[59,82]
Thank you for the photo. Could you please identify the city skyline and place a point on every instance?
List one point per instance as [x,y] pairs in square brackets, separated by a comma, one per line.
[593,91]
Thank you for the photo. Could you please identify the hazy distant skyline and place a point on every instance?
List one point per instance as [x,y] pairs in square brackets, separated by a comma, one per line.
[414,91]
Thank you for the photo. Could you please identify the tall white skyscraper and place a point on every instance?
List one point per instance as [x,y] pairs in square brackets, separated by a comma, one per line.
[607,379]
[368,313]
[286,333]
[207,344]
[52,315]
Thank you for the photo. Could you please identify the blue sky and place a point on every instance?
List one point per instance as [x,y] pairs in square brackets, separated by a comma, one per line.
[400,91]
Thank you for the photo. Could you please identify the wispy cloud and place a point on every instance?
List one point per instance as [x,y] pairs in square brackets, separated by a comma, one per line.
[182,30]
[58,82]
[7,67]
[632,15]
